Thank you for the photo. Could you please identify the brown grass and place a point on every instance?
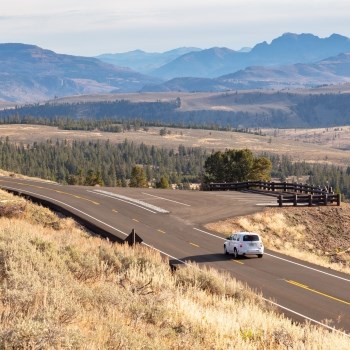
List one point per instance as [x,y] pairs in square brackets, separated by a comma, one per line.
[206,139]
[63,289]
[334,138]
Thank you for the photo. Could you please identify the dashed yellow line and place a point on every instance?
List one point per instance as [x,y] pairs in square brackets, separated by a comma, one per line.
[115,211]
[135,220]
[161,231]
[195,245]
[297,284]
[238,262]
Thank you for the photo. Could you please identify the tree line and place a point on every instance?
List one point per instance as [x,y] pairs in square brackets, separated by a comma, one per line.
[131,164]
[103,163]
[110,124]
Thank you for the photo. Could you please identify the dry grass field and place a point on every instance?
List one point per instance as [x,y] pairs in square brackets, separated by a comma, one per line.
[334,138]
[283,143]
[63,289]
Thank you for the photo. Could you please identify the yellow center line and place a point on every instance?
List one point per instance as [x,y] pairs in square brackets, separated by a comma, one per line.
[238,262]
[115,211]
[58,191]
[135,220]
[195,245]
[161,231]
[316,291]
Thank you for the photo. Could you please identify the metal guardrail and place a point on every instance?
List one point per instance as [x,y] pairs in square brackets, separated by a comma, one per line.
[295,193]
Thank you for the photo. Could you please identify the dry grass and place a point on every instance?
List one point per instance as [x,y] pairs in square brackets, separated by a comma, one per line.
[335,137]
[206,139]
[318,235]
[63,289]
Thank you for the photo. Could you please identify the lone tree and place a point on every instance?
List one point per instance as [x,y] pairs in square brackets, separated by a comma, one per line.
[138,177]
[236,165]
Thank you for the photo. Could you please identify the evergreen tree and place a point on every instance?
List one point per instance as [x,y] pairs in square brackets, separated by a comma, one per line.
[138,177]
[163,182]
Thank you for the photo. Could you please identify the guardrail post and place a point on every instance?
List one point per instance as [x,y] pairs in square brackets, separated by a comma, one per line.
[295,200]
[325,199]
[310,200]
[338,199]
[280,200]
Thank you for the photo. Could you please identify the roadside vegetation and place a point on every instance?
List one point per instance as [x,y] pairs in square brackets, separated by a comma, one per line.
[61,288]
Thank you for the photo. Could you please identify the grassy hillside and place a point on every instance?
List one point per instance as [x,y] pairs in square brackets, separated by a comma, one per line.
[61,288]
[265,108]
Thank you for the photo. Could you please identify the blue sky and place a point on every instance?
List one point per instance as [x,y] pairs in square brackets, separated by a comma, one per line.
[90,27]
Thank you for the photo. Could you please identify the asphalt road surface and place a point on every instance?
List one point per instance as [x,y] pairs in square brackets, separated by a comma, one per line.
[172,223]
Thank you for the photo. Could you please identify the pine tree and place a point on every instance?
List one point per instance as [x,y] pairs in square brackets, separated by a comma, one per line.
[138,177]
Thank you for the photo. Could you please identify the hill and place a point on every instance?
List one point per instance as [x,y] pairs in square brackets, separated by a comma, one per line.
[299,108]
[29,73]
[114,289]
[333,70]
[284,50]
[144,62]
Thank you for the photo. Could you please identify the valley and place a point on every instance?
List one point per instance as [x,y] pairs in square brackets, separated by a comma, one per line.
[300,145]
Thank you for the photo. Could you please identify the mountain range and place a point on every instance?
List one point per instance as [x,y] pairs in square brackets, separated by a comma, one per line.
[29,73]
[333,70]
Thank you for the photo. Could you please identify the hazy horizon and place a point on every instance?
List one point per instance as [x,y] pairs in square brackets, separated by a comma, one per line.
[90,28]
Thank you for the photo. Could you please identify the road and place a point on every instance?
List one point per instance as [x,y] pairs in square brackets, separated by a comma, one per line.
[172,222]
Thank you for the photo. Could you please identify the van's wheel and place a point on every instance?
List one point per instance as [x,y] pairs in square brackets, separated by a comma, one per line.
[260,255]
[235,254]
[225,250]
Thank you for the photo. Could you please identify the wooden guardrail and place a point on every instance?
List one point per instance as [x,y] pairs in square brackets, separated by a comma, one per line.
[287,192]
[309,199]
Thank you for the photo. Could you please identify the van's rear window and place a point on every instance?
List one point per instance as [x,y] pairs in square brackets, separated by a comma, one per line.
[250,238]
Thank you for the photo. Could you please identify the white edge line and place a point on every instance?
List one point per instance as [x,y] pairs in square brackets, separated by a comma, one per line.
[306,317]
[210,234]
[289,261]
[67,205]
[166,199]
[122,200]
[310,268]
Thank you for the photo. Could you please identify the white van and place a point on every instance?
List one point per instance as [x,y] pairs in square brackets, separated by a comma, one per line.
[244,243]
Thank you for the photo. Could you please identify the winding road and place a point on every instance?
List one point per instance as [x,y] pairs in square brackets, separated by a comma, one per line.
[172,222]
